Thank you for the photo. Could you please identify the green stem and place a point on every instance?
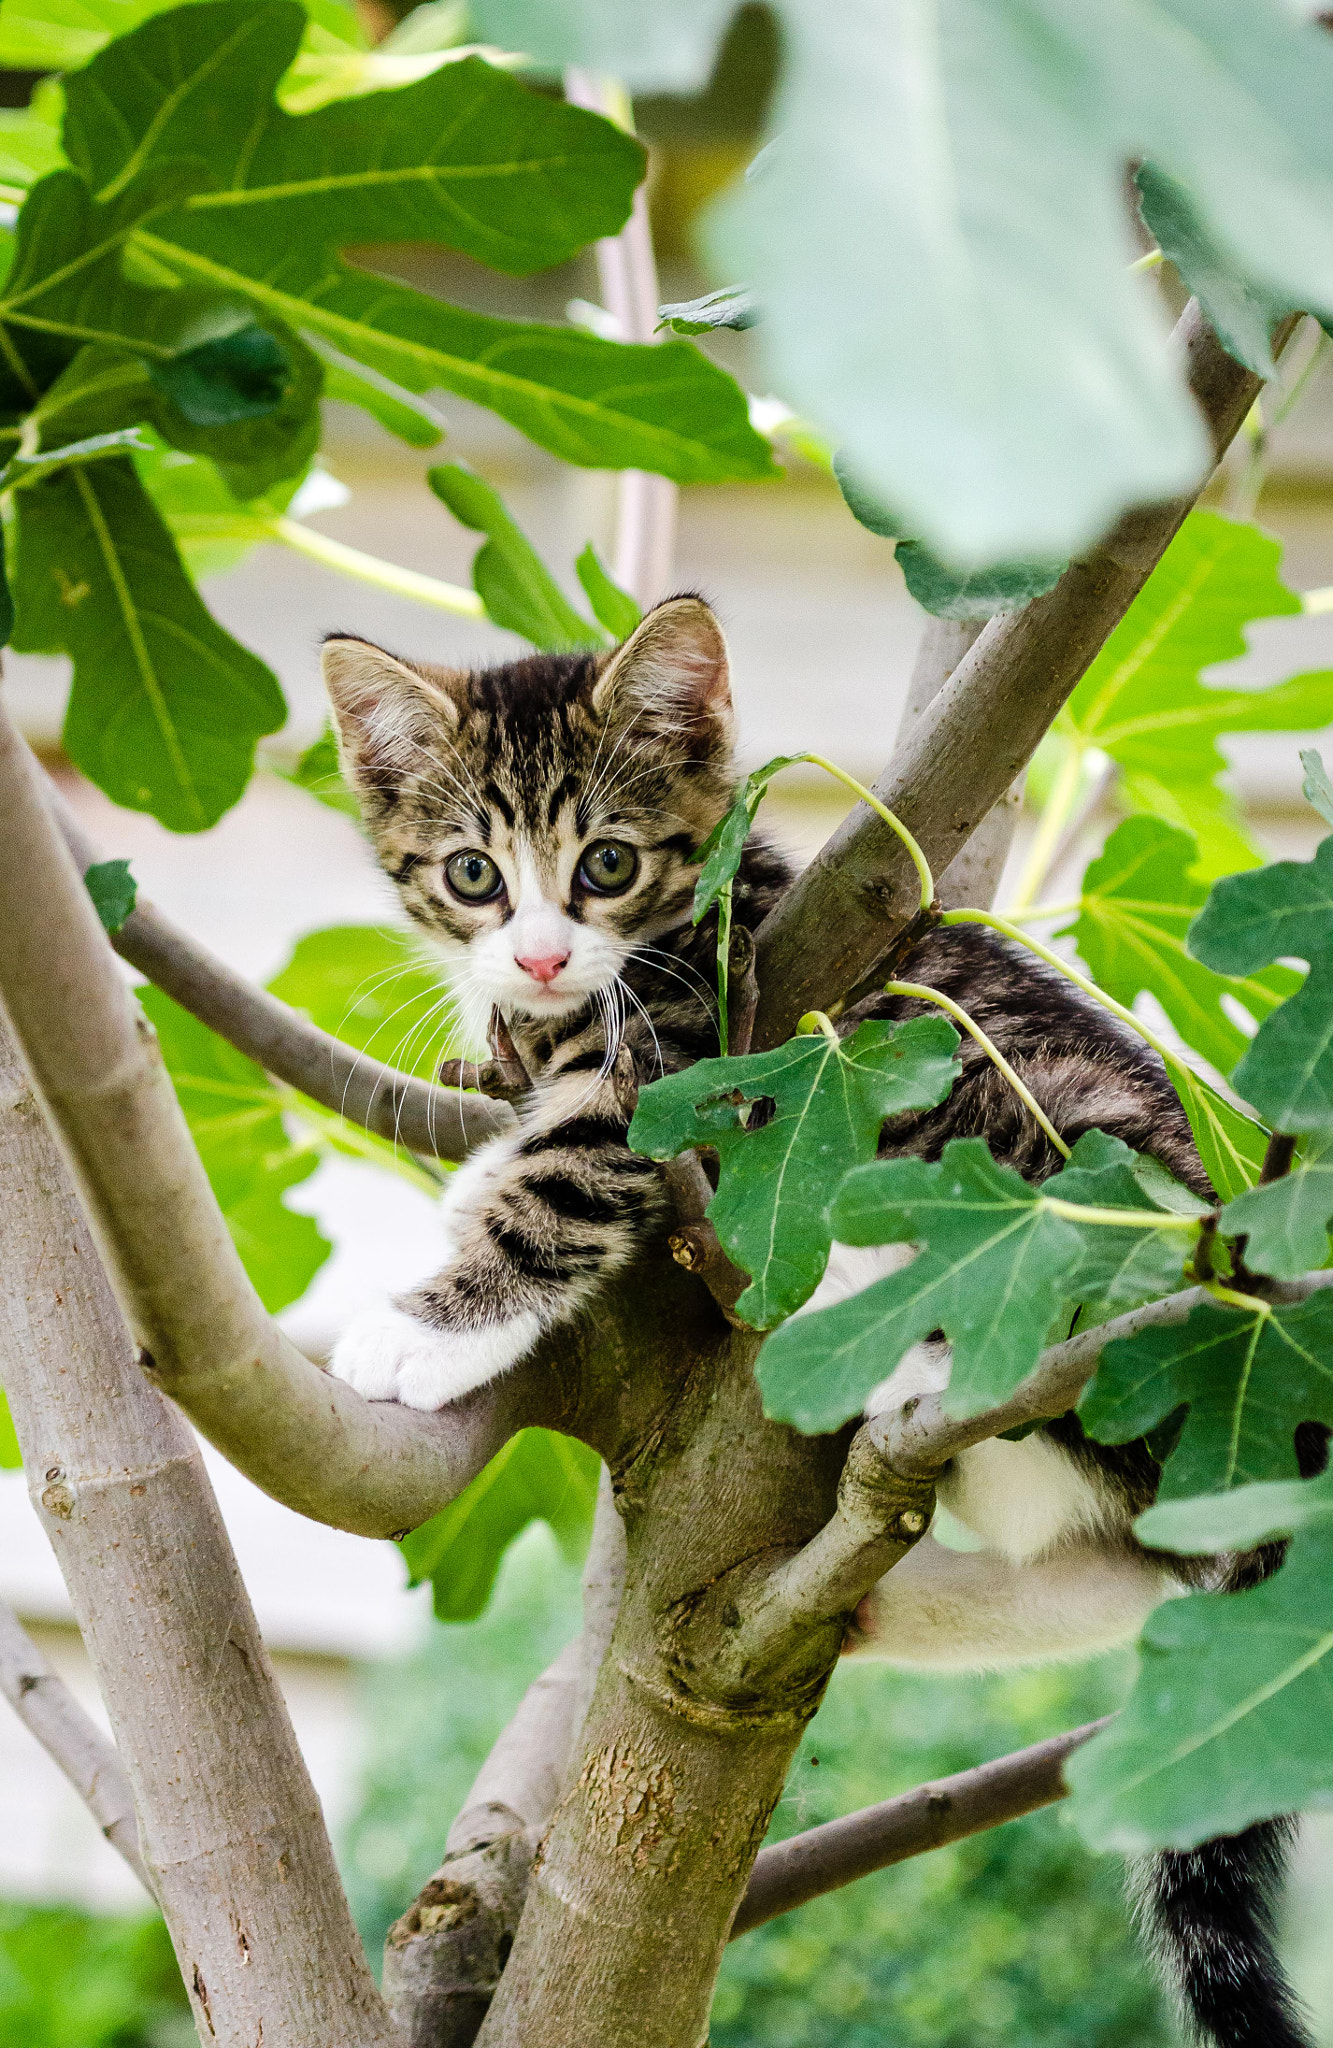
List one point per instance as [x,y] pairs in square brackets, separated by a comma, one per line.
[723,967]
[867,796]
[1148,262]
[1011,931]
[815,1020]
[335,554]
[1041,911]
[1120,1219]
[1237,1300]
[1055,815]
[988,1046]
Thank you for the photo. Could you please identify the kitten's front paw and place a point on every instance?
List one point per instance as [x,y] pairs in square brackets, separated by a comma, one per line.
[387,1355]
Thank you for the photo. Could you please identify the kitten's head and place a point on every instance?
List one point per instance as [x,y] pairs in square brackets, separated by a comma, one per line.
[543,816]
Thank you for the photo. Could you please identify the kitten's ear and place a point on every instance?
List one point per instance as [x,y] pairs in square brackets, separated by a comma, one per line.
[672,672]
[386,714]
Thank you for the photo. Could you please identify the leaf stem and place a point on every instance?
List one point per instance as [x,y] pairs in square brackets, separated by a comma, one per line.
[867,796]
[988,1046]
[1009,930]
[1120,1219]
[1234,1299]
[815,1020]
[335,554]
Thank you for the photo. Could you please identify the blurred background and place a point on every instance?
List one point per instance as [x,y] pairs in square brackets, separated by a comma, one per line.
[1018,1935]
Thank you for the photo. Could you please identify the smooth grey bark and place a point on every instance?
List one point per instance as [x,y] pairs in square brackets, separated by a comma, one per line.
[973,875]
[232,1834]
[71,1738]
[805,1866]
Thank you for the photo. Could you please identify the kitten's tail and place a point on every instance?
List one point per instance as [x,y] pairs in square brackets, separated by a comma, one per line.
[1209,1915]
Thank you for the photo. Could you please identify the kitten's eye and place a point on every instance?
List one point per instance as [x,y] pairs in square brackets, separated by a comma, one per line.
[608,867]
[473,876]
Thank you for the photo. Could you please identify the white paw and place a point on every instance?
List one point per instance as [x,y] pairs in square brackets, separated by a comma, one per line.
[388,1355]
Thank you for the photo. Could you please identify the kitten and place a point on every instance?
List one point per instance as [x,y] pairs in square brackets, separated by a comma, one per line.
[540,821]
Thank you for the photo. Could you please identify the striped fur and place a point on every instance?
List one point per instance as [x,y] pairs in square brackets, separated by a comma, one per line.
[528,767]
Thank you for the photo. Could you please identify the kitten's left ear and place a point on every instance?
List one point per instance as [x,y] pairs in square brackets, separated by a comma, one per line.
[673,673]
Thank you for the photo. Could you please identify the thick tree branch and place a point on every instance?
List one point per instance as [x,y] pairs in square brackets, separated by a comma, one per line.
[443,1959]
[71,1738]
[791,1873]
[308,1439]
[440,1123]
[842,917]
[232,1834]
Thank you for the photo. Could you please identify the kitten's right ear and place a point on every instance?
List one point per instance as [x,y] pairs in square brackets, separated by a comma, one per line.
[385,714]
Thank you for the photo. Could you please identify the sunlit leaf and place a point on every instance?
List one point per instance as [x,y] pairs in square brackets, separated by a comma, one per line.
[511,579]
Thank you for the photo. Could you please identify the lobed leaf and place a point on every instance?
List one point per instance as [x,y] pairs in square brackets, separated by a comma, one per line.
[778,1171]
[1249,921]
[1240,313]
[998,1270]
[1142,702]
[511,579]
[1231,1145]
[1228,1721]
[1286,1221]
[1246,1377]
[166,708]
[538,1476]
[1138,900]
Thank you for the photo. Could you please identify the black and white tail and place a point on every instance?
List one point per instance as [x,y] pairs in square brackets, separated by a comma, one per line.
[1209,1915]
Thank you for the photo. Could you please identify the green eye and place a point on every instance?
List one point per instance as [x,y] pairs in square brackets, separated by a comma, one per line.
[473,876]
[608,866]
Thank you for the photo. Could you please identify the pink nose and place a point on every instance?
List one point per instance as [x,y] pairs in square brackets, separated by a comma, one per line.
[545,967]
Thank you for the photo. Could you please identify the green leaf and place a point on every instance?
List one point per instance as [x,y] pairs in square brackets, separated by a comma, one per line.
[1120,1269]
[1229,1720]
[1316,788]
[1286,1221]
[733,307]
[107,387]
[1231,1145]
[1138,900]
[1210,1524]
[538,1476]
[113,890]
[30,136]
[166,707]
[937,233]
[511,579]
[1241,314]
[235,1116]
[1250,920]
[319,771]
[976,593]
[721,852]
[375,989]
[11,1458]
[1248,1380]
[997,1271]
[612,607]
[466,157]
[829,1104]
[1142,701]
[400,411]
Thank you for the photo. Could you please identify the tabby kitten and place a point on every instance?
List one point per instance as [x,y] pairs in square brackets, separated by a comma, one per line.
[541,820]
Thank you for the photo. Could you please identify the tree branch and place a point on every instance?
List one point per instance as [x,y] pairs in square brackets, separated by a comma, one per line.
[232,1834]
[72,1740]
[309,1440]
[437,1122]
[844,914]
[805,1866]
[444,1957]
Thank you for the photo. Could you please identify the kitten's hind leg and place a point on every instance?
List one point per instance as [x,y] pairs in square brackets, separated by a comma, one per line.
[974,1610]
